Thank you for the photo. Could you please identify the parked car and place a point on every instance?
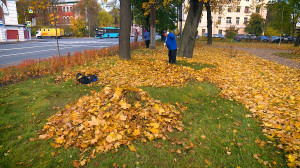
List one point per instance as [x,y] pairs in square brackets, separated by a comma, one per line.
[251,36]
[222,36]
[274,39]
[291,39]
[239,37]
[262,38]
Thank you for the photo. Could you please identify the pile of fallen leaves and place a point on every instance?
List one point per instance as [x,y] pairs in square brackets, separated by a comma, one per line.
[270,91]
[149,71]
[110,118]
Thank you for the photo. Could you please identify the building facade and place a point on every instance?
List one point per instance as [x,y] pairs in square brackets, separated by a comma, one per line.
[66,12]
[10,30]
[225,16]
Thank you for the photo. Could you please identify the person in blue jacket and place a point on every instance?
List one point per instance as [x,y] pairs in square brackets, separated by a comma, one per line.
[147,37]
[170,41]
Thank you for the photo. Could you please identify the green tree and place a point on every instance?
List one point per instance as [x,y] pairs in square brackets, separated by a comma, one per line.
[255,25]
[78,27]
[89,11]
[279,17]
[105,19]
[114,11]
[231,32]
[270,31]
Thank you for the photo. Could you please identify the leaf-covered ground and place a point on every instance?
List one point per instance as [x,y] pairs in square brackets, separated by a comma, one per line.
[214,127]
[270,91]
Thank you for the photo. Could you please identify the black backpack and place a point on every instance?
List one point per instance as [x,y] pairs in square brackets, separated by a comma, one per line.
[86,79]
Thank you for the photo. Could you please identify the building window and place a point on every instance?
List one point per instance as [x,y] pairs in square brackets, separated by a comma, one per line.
[219,20]
[67,9]
[237,20]
[228,20]
[70,9]
[220,31]
[68,20]
[238,9]
[246,9]
[64,9]
[229,10]
[245,20]
[247,0]
[257,9]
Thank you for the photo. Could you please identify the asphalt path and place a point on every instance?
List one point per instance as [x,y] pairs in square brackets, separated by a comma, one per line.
[13,53]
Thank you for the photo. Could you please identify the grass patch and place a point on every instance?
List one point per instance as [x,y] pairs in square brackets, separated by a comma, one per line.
[194,66]
[293,56]
[221,134]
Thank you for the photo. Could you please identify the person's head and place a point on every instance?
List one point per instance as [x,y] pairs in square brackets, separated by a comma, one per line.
[165,33]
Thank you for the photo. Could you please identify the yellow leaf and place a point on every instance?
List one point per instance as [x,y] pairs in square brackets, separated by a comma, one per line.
[136,132]
[123,117]
[82,163]
[132,148]
[291,158]
[124,105]
[110,138]
[59,140]
[154,130]
[207,162]
[137,104]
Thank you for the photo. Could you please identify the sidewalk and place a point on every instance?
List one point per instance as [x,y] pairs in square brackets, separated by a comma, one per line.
[27,41]
[268,54]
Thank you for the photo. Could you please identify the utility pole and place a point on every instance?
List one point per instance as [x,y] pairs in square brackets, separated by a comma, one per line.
[87,23]
[57,44]
[281,24]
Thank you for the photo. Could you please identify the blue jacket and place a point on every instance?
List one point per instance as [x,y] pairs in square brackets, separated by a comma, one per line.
[171,42]
[147,35]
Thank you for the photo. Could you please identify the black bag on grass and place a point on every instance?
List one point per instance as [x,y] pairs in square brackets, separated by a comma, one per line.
[83,79]
[86,79]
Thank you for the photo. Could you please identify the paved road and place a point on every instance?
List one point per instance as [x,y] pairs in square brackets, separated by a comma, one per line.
[42,48]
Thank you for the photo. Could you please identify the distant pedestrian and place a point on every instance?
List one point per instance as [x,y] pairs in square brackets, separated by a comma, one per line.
[170,42]
[136,35]
[147,38]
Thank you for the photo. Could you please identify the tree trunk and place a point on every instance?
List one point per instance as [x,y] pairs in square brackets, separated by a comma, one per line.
[189,32]
[209,23]
[124,37]
[297,43]
[180,19]
[152,26]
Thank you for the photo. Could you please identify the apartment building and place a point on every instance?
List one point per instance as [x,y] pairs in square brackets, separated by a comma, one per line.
[230,15]
[66,12]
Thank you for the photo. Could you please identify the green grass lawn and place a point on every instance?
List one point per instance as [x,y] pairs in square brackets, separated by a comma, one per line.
[292,56]
[220,133]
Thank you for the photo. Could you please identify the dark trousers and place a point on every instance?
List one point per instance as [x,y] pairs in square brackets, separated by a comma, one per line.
[172,56]
[147,43]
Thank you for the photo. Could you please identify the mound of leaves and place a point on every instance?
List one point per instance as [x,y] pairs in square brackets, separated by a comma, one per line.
[111,118]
